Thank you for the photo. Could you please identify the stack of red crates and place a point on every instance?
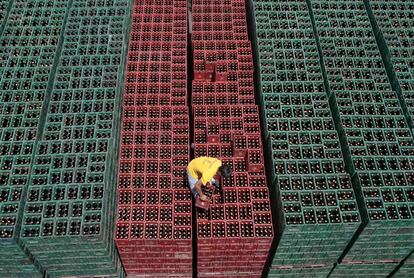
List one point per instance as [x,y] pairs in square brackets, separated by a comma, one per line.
[156,71]
[153,229]
[234,236]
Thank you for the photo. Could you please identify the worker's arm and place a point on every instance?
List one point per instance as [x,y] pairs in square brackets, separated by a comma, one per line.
[197,187]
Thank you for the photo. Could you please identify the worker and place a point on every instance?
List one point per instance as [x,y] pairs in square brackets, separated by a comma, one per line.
[202,170]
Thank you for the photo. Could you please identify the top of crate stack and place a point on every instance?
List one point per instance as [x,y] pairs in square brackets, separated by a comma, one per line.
[222,55]
[319,211]
[153,230]
[376,133]
[67,221]
[234,235]
[29,42]
[157,54]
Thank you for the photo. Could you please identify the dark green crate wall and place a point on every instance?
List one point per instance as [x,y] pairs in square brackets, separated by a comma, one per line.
[294,272]
[393,24]
[69,217]
[12,98]
[28,45]
[407,269]
[319,212]
[381,269]
[5,6]
[375,132]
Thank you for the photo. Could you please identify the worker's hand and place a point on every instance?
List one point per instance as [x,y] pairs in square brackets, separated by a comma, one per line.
[203,197]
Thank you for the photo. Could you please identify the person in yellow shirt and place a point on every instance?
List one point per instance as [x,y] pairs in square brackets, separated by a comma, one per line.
[202,170]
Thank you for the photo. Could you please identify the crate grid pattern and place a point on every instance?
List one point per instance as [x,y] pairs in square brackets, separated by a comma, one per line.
[153,230]
[319,212]
[62,68]
[71,186]
[222,56]
[29,43]
[376,132]
[234,235]
[154,215]
[394,19]
[157,55]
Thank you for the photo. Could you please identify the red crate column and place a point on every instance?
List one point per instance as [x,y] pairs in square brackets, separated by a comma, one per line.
[154,215]
[153,230]
[235,234]
[154,212]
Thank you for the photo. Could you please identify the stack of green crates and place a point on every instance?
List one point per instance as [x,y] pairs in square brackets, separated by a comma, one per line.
[4,6]
[407,269]
[315,200]
[29,33]
[393,23]
[68,219]
[375,133]
[15,262]
[379,269]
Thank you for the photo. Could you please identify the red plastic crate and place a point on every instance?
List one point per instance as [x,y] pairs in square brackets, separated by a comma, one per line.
[242,213]
[155,145]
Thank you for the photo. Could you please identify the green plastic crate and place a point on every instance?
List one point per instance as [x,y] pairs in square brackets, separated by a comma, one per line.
[369,270]
[74,167]
[299,124]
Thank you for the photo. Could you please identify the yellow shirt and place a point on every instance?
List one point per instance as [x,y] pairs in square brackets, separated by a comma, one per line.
[203,168]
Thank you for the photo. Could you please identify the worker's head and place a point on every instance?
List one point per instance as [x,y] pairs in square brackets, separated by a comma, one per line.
[225,171]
